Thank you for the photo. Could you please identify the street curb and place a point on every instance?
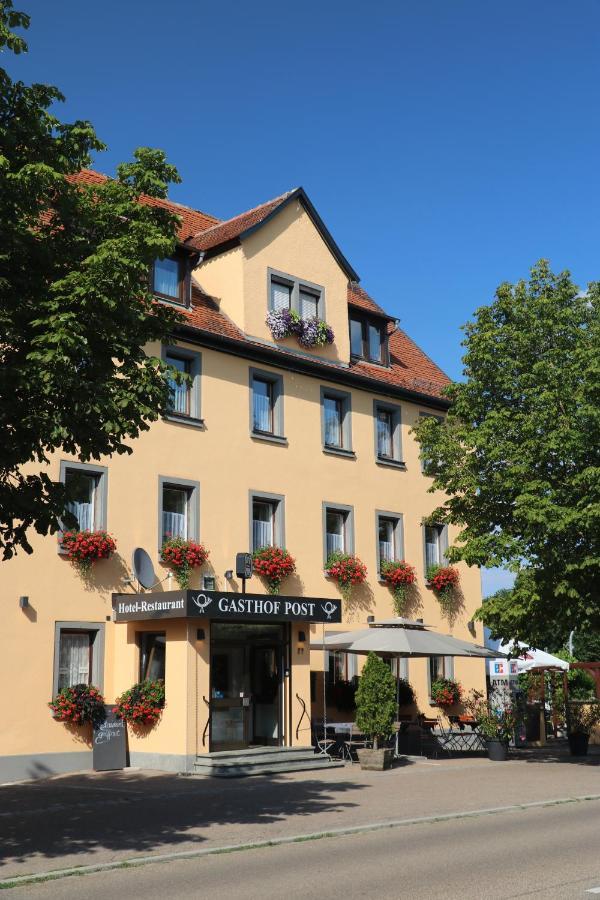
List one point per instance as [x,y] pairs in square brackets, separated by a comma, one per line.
[291,839]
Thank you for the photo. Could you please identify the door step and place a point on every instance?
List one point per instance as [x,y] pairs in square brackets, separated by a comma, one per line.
[261,761]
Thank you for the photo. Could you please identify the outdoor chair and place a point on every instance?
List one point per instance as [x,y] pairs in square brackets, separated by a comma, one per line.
[462,740]
[325,741]
[352,743]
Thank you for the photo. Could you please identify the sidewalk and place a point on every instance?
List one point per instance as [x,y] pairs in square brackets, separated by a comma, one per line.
[92,818]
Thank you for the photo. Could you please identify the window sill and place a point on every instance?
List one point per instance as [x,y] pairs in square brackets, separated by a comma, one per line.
[185,420]
[391,463]
[339,451]
[269,438]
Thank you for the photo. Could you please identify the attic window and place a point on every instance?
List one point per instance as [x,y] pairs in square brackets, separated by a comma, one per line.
[368,339]
[169,279]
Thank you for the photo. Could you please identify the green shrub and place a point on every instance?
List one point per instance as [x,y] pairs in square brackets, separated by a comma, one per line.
[376,700]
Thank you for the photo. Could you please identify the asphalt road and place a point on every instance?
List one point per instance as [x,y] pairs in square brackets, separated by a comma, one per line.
[548,852]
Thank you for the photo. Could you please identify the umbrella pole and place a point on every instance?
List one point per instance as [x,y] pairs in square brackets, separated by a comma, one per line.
[324,751]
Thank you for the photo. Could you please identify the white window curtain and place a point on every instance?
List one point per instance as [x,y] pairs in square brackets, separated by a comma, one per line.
[334,532]
[309,305]
[432,546]
[83,505]
[175,513]
[179,392]
[74,660]
[332,412]
[262,406]
[262,525]
[166,277]
[384,434]
[386,540]
[280,296]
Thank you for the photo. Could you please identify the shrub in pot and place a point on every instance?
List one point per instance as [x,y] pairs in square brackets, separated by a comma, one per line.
[582,718]
[496,723]
[375,711]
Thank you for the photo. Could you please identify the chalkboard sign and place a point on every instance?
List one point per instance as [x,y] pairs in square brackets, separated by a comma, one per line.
[110,743]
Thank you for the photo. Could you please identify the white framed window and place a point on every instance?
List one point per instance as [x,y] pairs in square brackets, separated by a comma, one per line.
[266,405]
[388,434]
[390,538]
[436,544]
[341,666]
[309,304]
[180,392]
[169,279]
[178,513]
[267,525]
[281,295]
[87,489]
[439,667]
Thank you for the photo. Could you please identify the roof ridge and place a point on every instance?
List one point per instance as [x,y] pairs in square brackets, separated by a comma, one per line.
[247,212]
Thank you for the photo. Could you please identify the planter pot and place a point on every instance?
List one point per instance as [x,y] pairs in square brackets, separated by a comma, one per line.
[497,750]
[578,743]
[375,760]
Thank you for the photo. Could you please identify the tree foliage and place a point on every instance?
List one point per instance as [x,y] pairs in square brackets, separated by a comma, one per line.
[519,455]
[75,306]
[376,699]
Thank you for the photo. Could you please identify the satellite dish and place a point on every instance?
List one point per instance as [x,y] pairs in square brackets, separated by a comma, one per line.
[143,568]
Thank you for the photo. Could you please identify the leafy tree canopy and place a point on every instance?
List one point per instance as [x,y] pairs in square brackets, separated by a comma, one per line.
[75,306]
[519,455]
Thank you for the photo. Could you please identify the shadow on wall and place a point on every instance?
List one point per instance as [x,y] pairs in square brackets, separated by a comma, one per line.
[138,813]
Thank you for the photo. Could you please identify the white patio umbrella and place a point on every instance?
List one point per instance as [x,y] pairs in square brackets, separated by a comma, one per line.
[401,637]
[530,658]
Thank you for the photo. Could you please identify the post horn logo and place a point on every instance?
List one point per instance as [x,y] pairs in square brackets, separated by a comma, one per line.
[328,608]
[202,602]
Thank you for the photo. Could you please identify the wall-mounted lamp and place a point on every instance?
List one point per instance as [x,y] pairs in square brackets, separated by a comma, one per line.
[201,634]
[301,637]
[370,619]
[23,602]
[229,574]
[471,627]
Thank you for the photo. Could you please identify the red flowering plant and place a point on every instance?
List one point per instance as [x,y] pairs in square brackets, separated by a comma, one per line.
[347,569]
[83,548]
[183,556]
[80,704]
[399,575]
[142,704]
[445,692]
[443,580]
[274,564]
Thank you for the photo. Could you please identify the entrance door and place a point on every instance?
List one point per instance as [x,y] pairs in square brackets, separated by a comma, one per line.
[246,685]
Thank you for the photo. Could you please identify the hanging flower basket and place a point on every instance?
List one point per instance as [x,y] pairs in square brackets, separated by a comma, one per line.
[183,556]
[80,704]
[446,693]
[399,575]
[274,564]
[142,704]
[443,580]
[311,332]
[347,569]
[84,548]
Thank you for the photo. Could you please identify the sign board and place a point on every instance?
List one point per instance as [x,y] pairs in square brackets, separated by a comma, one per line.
[223,606]
[109,748]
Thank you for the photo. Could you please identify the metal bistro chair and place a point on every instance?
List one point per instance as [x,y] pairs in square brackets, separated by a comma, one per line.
[457,741]
[354,742]
[324,740]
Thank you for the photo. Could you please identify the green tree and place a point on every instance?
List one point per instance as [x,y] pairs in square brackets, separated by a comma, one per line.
[519,455]
[376,699]
[75,306]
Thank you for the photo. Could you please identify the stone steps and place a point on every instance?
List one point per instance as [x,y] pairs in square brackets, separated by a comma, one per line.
[261,761]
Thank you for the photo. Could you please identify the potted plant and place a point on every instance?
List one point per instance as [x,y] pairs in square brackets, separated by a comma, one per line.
[183,556]
[80,704]
[310,332]
[496,723]
[445,692]
[399,575]
[443,580]
[582,718]
[142,704]
[347,569]
[84,548]
[375,712]
[274,564]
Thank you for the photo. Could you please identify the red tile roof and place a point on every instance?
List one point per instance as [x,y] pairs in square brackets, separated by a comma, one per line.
[410,368]
[192,220]
[358,297]
[233,228]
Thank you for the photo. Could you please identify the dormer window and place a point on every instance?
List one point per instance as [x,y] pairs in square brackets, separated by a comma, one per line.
[169,279]
[296,294]
[368,339]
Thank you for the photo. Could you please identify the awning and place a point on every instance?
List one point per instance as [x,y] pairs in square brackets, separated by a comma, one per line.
[401,637]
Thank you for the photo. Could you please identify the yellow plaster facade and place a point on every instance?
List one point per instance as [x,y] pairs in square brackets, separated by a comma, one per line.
[227,462]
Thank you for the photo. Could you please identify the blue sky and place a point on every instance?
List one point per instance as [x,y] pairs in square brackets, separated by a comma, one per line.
[447,145]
